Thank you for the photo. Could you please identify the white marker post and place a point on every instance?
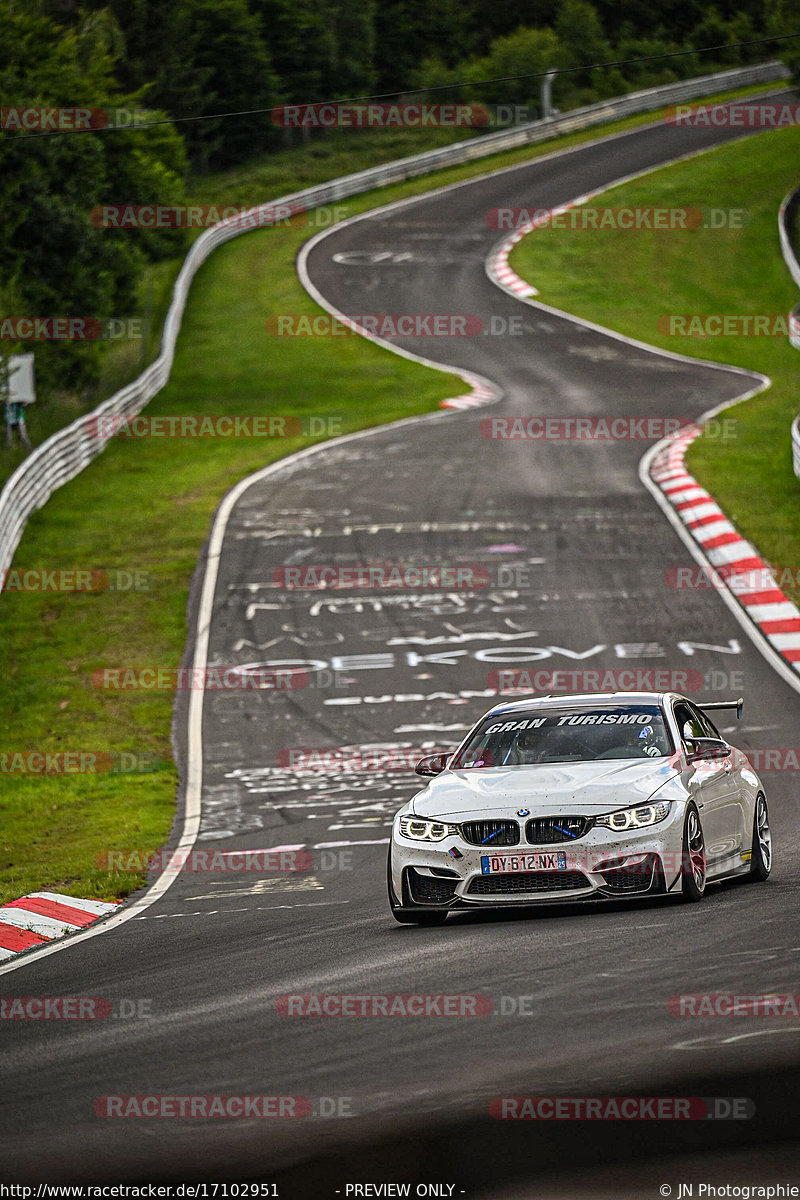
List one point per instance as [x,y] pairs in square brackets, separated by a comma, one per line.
[18,386]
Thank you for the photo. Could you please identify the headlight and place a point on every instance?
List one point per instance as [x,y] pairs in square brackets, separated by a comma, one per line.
[635,818]
[425,831]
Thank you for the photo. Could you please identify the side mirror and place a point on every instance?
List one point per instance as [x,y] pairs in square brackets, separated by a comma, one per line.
[698,749]
[434,764]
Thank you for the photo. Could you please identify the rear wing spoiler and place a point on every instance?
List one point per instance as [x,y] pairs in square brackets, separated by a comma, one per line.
[737,704]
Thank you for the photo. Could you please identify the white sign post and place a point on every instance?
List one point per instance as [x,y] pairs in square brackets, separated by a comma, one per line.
[21,391]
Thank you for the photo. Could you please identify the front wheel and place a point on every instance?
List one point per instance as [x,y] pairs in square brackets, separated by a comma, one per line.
[693,865]
[761,857]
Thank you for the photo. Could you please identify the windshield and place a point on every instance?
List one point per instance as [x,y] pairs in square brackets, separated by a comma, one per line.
[566,735]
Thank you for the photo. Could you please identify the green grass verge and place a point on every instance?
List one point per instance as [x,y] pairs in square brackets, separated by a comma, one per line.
[628,280]
[146,505]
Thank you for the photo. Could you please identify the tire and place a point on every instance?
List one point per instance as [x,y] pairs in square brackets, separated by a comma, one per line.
[409,916]
[693,859]
[761,858]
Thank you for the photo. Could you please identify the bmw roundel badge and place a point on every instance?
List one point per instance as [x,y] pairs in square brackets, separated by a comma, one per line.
[523,812]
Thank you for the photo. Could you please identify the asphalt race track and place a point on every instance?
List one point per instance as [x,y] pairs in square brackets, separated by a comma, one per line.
[575,552]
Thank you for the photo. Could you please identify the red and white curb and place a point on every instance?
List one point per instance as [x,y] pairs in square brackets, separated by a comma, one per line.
[42,917]
[743,572]
[500,271]
[497,263]
[477,398]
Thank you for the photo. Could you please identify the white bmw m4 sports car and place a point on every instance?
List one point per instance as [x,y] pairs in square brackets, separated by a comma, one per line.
[590,797]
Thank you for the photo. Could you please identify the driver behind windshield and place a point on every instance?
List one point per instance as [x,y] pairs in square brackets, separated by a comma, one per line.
[529,746]
[527,739]
[633,741]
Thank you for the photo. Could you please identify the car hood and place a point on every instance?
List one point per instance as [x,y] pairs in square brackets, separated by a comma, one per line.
[582,788]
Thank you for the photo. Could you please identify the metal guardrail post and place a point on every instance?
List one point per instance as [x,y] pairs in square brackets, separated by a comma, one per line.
[547,94]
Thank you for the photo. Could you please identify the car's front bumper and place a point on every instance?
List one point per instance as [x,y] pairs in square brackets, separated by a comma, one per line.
[602,865]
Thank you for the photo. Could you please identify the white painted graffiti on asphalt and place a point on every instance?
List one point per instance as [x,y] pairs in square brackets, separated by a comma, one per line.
[434,604]
[388,660]
[260,532]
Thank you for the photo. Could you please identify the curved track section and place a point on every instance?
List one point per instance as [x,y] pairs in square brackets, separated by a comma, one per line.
[573,552]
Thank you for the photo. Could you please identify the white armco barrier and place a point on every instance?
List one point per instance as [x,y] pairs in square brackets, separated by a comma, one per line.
[67,452]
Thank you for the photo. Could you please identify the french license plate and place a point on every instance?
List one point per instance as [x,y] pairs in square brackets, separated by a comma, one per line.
[503,864]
